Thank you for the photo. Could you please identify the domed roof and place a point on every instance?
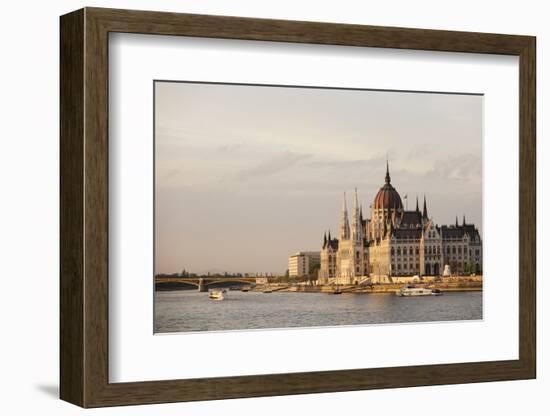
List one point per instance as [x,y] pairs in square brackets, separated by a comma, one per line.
[387,197]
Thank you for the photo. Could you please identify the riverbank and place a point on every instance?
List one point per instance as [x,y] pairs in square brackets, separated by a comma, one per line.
[443,284]
[455,286]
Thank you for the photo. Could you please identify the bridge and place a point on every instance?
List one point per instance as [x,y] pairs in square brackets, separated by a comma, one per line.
[203,282]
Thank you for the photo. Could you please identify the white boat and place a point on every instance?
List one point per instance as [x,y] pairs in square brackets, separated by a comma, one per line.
[217,294]
[414,291]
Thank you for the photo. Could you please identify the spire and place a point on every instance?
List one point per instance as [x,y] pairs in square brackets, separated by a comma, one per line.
[417,210]
[356,222]
[344,223]
[388,179]
[325,240]
[425,211]
[463,220]
[456,223]
[329,237]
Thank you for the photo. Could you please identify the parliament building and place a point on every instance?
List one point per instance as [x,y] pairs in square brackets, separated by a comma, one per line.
[395,242]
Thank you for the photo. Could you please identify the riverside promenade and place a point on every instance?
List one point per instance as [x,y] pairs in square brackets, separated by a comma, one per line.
[453,284]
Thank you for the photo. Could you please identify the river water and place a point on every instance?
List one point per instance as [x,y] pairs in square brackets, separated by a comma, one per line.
[186,310]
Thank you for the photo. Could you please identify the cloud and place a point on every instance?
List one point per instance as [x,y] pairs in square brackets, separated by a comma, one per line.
[273,165]
[370,163]
[229,148]
[170,173]
[338,163]
[465,167]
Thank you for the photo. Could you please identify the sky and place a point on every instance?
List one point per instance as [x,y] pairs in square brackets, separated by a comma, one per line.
[247,175]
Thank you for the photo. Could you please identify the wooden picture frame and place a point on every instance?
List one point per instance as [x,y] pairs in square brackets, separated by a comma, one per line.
[84,207]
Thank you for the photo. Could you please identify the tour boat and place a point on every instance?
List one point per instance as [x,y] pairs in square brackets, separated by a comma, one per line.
[216,294]
[414,291]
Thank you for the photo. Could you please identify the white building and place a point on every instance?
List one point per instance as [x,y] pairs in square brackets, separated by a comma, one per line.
[302,262]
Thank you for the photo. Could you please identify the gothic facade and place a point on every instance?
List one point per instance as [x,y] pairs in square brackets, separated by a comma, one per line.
[396,242]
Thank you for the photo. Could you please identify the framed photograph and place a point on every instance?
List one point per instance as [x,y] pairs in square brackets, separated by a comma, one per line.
[254,207]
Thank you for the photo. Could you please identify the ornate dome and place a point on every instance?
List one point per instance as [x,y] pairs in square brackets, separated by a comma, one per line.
[387,197]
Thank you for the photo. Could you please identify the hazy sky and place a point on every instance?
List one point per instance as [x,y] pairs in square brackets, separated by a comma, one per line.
[247,175]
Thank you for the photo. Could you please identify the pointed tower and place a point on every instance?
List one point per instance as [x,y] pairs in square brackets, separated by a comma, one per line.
[344,223]
[417,209]
[356,226]
[463,220]
[388,179]
[325,240]
[425,210]
[456,222]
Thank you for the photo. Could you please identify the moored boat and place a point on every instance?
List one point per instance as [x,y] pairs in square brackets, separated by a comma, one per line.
[217,294]
[414,291]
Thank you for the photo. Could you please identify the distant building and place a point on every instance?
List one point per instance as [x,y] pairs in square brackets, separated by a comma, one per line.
[396,242]
[302,262]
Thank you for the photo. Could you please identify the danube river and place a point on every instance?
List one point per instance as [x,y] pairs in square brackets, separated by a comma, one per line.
[186,310]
